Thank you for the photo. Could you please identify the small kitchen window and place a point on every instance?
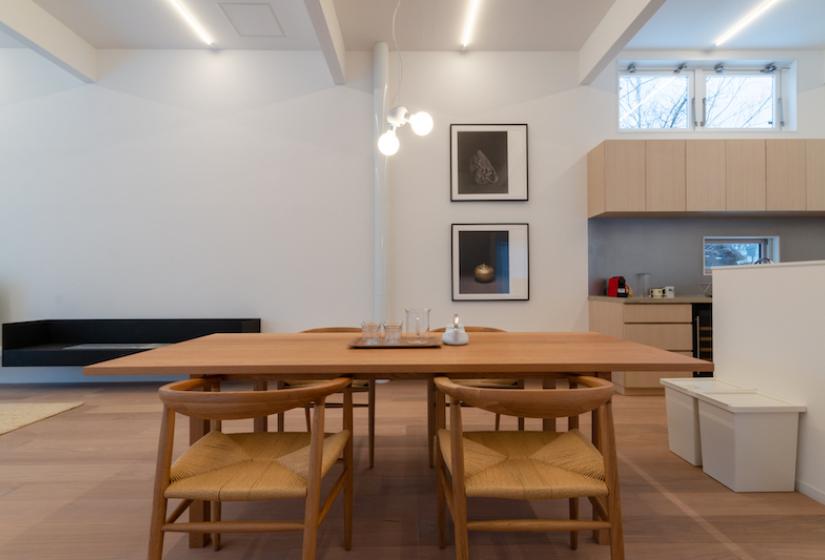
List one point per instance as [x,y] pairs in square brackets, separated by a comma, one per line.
[736,251]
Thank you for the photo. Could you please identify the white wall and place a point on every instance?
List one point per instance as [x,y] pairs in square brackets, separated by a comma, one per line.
[186,184]
[768,329]
[539,89]
[193,183]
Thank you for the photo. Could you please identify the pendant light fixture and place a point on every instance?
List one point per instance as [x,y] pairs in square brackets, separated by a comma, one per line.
[421,122]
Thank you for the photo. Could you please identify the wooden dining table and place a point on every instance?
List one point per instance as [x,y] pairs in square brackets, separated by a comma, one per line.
[275,356]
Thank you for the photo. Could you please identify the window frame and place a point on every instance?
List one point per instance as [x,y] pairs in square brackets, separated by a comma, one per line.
[769,242]
[696,72]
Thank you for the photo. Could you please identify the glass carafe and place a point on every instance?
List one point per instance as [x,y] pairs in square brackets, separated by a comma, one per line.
[417,322]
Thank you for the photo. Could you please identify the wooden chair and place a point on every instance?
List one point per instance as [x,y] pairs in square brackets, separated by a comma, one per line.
[529,465]
[358,386]
[250,466]
[480,383]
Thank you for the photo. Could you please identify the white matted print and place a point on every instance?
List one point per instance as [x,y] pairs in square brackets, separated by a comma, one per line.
[490,262]
[488,162]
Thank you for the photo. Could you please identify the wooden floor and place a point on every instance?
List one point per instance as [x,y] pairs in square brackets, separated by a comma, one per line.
[78,486]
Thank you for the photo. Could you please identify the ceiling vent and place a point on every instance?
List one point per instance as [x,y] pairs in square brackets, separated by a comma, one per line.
[252,19]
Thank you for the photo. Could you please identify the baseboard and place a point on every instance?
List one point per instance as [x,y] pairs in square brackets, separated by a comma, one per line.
[811,491]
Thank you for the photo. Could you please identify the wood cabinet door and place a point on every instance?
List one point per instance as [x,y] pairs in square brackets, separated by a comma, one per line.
[705,175]
[745,183]
[785,171]
[665,176]
[595,181]
[815,174]
[624,174]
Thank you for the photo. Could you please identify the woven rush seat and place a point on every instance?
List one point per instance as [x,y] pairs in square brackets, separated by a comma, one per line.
[528,465]
[254,466]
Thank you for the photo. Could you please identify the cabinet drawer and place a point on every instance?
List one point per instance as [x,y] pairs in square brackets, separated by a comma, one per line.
[657,313]
[668,336]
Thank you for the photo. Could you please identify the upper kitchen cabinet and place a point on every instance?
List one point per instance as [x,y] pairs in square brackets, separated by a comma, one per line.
[624,176]
[705,170]
[786,172]
[665,176]
[639,177]
[815,174]
[745,183]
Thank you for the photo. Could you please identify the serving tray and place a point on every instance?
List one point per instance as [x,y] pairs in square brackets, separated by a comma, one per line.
[367,344]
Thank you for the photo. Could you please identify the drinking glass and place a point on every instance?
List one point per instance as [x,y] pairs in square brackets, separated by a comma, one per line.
[417,322]
[371,332]
[643,285]
[392,333]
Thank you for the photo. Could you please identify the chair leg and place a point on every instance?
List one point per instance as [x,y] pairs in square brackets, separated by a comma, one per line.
[574,514]
[431,422]
[216,516]
[462,541]
[521,423]
[441,502]
[281,416]
[308,418]
[156,529]
[498,422]
[371,420]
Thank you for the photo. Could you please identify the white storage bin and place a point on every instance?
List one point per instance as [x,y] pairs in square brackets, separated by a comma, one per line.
[683,413]
[749,441]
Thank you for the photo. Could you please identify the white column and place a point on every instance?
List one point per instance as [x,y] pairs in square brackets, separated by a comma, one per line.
[380,186]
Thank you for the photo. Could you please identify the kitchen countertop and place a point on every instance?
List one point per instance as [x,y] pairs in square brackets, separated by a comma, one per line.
[649,301]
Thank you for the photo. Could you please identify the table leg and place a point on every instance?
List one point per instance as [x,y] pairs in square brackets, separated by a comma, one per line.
[198,511]
[431,420]
[548,424]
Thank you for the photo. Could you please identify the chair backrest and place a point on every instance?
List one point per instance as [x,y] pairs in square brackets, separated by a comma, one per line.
[192,397]
[474,329]
[333,330]
[590,393]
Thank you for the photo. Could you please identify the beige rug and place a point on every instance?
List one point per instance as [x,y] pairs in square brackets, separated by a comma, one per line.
[16,415]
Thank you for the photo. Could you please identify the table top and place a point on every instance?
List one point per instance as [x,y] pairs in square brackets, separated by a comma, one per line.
[322,355]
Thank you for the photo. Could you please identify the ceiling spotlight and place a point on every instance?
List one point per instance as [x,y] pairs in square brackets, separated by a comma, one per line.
[420,122]
[746,20]
[469,22]
[186,15]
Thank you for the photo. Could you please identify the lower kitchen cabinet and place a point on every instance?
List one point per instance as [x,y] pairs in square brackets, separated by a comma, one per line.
[662,324]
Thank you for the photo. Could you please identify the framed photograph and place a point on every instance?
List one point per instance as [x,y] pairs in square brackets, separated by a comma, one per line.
[490,262]
[488,162]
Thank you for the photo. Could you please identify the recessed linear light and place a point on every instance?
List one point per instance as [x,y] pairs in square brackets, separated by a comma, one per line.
[469,22]
[748,19]
[187,16]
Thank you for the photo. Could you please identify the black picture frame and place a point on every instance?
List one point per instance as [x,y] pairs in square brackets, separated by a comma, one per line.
[499,154]
[485,243]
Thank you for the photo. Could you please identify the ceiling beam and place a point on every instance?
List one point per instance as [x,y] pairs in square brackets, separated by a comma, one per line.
[619,25]
[325,21]
[42,32]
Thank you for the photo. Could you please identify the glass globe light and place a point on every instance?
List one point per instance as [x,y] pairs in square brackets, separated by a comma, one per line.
[388,143]
[421,123]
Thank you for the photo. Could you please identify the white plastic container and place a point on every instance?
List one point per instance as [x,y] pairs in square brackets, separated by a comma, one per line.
[683,436]
[749,441]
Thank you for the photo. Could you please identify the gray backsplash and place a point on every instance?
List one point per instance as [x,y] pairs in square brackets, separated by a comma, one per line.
[670,249]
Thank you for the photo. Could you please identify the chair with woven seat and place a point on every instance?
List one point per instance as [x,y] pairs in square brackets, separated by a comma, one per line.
[358,386]
[493,383]
[260,466]
[529,465]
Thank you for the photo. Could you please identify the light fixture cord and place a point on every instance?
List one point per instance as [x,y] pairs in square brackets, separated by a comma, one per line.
[397,94]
